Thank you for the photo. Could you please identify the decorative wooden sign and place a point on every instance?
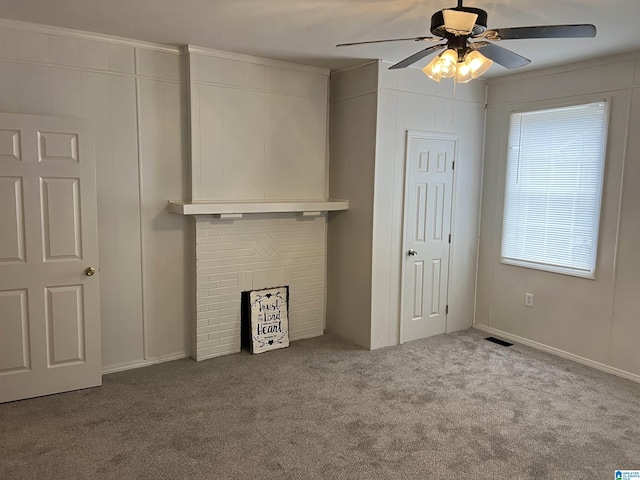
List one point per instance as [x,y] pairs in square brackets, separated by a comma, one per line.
[269,310]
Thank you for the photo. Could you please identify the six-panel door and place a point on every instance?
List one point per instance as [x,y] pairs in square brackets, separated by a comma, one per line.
[429,188]
[49,307]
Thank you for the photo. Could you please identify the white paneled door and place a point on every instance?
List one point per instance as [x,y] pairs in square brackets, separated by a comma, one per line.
[427,216]
[49,296]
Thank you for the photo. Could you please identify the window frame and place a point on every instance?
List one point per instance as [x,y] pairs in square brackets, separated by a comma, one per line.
[540,266]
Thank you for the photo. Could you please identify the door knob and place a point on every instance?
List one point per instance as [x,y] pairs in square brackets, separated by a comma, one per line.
[412,253]
[90,271]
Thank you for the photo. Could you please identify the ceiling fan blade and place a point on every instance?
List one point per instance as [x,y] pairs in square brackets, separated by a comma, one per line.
[502,56]
[541,31]
[415,39]
[417,56]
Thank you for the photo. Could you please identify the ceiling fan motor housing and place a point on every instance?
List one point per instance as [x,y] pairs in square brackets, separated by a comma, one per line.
[437,21]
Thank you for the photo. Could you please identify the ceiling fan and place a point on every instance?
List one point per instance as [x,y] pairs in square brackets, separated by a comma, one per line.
[470,50]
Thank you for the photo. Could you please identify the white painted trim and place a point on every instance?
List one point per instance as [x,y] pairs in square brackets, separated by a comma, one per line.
[173,356]
[210,52]
[253,89]
[484,149]
[334,72]
[143,290]
[561,353]
[363,93]
[398,92]
[127,366]
[567,67]
[454,137]
[100,37]
[95,70]
[143,363]
[216,355]
[260,206]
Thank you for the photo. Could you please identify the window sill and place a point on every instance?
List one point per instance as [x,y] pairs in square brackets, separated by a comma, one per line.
[589,275]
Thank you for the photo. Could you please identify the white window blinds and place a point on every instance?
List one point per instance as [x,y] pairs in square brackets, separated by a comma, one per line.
[553,189]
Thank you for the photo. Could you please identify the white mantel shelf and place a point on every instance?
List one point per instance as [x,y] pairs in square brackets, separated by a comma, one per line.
[260,206]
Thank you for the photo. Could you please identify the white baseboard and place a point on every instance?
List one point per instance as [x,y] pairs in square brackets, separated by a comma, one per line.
[561,353]
[173,356]
[143,363]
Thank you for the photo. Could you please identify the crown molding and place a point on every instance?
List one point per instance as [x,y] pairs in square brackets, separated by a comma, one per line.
[566,67]
[355,67]
[210,52]
[100,37]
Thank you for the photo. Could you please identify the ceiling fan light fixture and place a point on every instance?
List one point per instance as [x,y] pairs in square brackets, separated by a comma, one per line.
[433,70]
[464,31]
[459,22]
[478,63]
[448,61]
[447,65]
[464,73]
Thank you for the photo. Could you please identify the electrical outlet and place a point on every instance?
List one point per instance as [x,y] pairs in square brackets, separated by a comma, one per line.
[528,299]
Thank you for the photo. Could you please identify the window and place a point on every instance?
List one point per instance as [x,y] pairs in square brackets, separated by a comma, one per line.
[553,190]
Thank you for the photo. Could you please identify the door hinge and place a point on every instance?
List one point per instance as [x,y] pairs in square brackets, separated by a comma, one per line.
[453,165]
[446,310]
[449,238]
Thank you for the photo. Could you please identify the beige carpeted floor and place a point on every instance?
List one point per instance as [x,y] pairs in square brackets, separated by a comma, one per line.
[448,407]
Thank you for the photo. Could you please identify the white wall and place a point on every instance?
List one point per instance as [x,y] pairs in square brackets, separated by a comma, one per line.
[594,321]
[258,128]
[372,107]
[352,124]
[258,132]
[409,100]
[134,95]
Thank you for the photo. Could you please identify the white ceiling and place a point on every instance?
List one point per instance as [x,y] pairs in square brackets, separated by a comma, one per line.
[306,31]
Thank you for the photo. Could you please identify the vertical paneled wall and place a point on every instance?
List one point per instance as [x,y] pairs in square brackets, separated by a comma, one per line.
[258,128]
[134,97]
[409,100]
[165,237]
[371,110]
[595,321]
[258,132]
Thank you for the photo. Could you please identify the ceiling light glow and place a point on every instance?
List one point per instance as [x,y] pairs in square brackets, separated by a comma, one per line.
[448,65]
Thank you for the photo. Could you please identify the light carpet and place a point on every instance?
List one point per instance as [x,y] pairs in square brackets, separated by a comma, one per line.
[451,406]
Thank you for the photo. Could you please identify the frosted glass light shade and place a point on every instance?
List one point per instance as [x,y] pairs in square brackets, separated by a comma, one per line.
[478,63]
[433,70]
[463,73]
[448,61]
[447,66]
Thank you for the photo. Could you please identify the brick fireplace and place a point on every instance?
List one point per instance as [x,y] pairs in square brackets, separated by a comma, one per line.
[252,252]
[258,192]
